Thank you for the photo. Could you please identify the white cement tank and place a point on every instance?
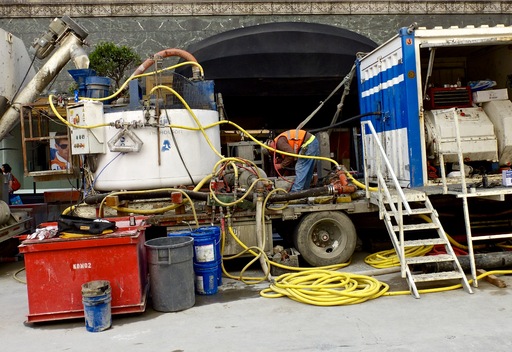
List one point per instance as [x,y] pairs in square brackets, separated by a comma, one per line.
[476,131]
[500,113]
[158,163]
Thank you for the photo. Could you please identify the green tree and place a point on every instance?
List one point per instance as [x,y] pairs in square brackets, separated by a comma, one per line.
[111,60]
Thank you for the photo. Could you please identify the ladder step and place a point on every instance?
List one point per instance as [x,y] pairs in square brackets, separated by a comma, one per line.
[410,195]
[429,259]
[414,227]
[420,211]
[445,275]
[417,211]
[425,242]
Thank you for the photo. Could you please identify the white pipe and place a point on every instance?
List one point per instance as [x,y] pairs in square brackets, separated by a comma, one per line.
[43,77]
[79,56]
[260,222]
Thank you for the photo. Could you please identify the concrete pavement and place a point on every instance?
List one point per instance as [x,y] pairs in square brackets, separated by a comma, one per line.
[237,318]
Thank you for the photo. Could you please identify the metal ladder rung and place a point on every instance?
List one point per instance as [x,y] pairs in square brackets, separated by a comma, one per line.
[491,237]
[417,211]
[414,227]
[420,211]
[445,275]
[425,242]
[485,193]
[429,259]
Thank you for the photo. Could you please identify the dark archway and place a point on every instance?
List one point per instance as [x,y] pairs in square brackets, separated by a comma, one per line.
[272,76]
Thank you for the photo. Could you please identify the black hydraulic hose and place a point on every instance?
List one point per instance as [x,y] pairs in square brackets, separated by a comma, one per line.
[177,147]
[344,121]
[98,198]
[311,192]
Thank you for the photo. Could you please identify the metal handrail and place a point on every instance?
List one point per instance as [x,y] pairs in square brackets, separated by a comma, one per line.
[464,192]
[382,156]
[383,189]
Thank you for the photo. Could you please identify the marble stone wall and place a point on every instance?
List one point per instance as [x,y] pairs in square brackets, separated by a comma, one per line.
[99,8]
[151,26]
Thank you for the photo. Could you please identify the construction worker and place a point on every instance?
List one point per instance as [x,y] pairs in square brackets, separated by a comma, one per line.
[297,142]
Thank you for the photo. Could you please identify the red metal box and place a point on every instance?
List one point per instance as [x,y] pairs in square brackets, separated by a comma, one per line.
[451,97]
[56,269]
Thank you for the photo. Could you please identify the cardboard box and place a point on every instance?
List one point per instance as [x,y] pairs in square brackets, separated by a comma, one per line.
[507,177]
[490,95]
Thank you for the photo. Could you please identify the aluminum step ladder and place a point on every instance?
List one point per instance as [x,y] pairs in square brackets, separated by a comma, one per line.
[497,194]
[394,207]
[396,219]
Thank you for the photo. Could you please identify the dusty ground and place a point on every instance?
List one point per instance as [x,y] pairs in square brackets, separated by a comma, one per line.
[237,318]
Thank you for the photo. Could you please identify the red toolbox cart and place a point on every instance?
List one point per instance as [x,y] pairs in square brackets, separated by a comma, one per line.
[56,268]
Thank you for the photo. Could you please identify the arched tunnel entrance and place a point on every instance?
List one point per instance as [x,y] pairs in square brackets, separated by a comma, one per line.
[273,76]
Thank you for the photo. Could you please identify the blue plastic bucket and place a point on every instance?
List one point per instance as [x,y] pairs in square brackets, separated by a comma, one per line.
[207,249]
[79,76]
[96,297]
[205,236]
[97,87]
[207,245]
[206,280]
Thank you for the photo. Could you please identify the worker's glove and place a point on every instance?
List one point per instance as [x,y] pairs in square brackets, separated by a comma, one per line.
[278,167]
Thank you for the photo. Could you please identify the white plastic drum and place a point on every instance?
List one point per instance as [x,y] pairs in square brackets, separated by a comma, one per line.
[158,163]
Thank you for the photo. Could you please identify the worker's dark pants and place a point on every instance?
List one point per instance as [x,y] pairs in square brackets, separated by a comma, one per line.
[305,166]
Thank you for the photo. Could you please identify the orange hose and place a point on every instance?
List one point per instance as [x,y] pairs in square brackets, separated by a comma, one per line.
[165,53]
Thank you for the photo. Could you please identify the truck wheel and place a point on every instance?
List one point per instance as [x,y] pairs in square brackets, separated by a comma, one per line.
[325,238]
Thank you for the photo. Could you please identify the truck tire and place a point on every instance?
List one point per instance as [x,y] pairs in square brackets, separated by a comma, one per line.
[325,238]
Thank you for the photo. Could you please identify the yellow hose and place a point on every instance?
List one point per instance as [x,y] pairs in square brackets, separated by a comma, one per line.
[257,253]
[389,258]
[139,211]
[325,288]
[328,288]
[332,288]
[123,86]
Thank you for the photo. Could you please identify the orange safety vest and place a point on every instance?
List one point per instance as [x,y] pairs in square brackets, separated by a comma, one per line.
[295,138]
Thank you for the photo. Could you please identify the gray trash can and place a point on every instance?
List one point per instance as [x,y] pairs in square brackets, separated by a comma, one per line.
[171,273]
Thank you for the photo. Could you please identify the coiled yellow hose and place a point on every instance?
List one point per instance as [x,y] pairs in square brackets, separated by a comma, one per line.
[389,258]
[332,288]
[325,288]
